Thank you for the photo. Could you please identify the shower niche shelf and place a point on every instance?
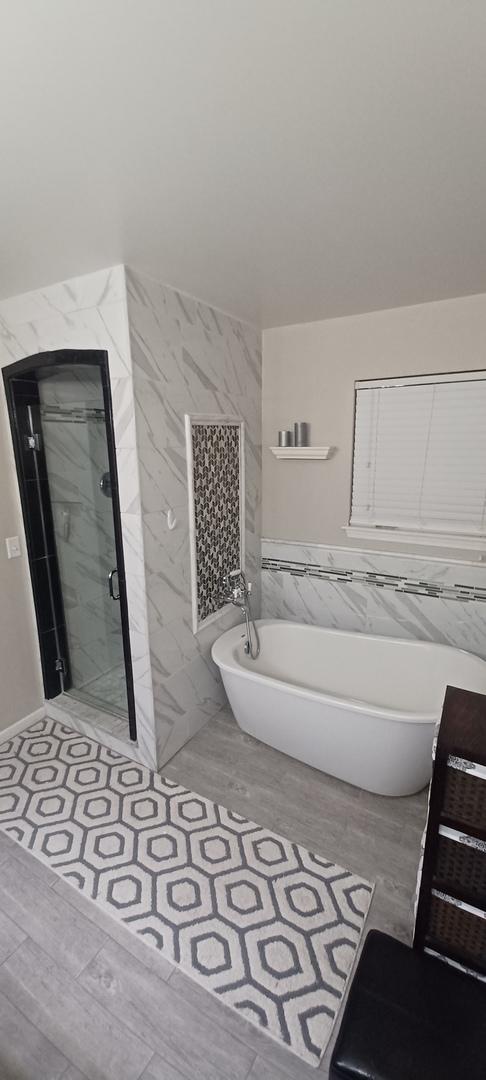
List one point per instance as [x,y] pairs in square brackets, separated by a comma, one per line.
[302,453]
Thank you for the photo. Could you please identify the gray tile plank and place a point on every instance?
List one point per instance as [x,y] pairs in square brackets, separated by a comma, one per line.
[36,867]
[409,809]
[160,1070]
[25,1053]
[213,782]
[265,1070]
[11,936]
[390,914]
[251,791]
[294,819]
[6,840]
[6,844]
[389,852]
[277,1055]
[87,1034]
[164,1019]
[69,938]
[113,928]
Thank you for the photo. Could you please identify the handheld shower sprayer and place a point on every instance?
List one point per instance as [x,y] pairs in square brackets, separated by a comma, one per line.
[237,591]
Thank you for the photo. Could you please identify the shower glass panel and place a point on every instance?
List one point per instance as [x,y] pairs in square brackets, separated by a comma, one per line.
[74,439]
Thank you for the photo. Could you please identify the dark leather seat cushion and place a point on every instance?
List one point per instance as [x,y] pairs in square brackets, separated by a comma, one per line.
[410,1017]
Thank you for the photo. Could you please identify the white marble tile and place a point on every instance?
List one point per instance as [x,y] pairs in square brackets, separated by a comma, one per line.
[173,540]
[123,407]
[167,598]
[88,291]
[173,647]
[431,569]
[197,684]
[156,355]
[160,415]
[146,740]
[133,549]
[92,328]
[368,608]
[137,603]
[128,480]
[163,477]
[308,600]
[172,738]
[140,657]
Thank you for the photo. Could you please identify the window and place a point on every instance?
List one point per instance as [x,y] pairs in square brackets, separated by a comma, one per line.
[419,471]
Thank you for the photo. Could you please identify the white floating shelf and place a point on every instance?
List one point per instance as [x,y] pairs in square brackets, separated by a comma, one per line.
[303,453]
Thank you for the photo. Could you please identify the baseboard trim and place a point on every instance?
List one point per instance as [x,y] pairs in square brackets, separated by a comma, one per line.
[20,725]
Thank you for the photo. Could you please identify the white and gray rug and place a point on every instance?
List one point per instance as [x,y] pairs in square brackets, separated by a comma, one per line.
[257,920]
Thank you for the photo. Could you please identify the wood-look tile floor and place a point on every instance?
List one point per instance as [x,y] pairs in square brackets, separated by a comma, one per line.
[81,998]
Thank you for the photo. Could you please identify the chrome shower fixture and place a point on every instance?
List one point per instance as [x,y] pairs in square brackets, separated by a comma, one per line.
[237,591]
[105,485]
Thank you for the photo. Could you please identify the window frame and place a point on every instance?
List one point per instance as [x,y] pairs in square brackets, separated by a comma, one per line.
[397,534]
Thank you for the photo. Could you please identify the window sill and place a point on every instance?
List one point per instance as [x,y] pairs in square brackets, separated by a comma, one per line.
[421,539]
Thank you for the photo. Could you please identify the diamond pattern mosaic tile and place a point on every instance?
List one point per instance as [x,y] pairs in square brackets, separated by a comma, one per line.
[216,472]
[261,922]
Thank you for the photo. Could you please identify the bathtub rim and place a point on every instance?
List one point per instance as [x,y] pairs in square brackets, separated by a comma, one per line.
[230,637]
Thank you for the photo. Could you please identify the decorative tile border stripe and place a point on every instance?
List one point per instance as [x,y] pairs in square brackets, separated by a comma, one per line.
[380,581]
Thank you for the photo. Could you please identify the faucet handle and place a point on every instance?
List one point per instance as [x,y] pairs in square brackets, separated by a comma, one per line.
[231,579]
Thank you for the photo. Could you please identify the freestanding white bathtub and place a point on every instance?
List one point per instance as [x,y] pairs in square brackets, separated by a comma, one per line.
[360,707]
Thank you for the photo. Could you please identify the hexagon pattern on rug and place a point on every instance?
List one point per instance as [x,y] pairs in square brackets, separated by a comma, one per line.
[259,921]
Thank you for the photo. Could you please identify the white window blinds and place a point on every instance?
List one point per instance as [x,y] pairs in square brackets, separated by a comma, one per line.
[420,455]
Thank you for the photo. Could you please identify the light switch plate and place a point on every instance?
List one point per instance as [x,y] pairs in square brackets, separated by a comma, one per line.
[13,547]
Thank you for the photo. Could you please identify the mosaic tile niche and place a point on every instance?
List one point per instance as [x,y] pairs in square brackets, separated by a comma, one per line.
[214,456]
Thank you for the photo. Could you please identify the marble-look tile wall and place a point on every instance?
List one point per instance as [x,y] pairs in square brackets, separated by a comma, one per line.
[90,312]
[168,355]
[187,358]
[430,599]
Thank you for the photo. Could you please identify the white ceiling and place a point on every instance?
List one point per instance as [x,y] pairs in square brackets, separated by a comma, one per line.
[286,160]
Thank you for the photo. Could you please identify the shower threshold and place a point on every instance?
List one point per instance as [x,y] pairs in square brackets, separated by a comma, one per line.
[106,692]
[91,720]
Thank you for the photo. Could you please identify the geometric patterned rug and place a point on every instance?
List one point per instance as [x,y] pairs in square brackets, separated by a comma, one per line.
[257,920]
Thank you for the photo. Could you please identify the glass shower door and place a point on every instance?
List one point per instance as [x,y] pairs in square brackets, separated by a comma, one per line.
[73,424]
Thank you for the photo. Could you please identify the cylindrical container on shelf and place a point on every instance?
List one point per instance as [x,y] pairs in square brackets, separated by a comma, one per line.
[301,433]
[285,438]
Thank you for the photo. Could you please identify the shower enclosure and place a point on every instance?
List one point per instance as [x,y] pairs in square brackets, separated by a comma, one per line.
[60,413]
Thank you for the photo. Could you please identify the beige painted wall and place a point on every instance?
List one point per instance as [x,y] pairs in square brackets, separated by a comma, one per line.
[20,674]
[309,372]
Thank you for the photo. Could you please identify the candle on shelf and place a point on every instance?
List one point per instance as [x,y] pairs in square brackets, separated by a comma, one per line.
[301,433]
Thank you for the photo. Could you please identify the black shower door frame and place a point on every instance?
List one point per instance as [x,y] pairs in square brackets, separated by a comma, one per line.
[22,390]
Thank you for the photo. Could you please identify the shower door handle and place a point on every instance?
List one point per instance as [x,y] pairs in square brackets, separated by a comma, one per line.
[113,594]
